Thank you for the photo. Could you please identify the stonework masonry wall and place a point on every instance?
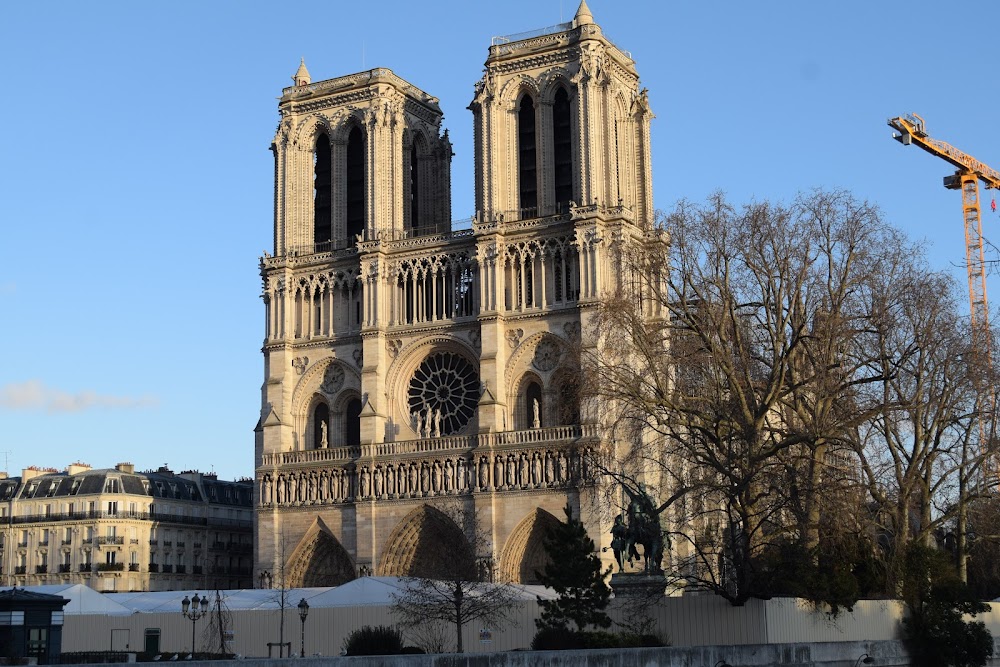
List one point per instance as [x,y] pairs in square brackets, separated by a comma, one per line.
[412,367]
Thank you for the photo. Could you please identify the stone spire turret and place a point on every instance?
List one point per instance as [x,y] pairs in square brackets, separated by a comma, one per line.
[583,15]
[302,77]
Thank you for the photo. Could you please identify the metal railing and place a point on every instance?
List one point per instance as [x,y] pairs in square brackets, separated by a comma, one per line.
[142,516]
[528,34]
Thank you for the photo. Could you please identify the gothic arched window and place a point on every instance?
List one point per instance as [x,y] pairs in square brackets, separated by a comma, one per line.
[562,148]
[352,423]
[569,400]
[322,225]
[414,188]
[321,426]
[355,184]
[526,162]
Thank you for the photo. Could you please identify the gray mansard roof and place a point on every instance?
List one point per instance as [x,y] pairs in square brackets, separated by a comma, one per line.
[161,484]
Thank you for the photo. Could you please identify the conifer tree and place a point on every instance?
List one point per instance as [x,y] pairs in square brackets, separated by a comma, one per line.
[574,573]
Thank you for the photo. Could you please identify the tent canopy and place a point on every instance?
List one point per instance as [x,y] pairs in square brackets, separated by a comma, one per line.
[361,592]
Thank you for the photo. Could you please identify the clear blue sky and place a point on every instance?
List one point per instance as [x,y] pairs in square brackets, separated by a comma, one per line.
[136,182]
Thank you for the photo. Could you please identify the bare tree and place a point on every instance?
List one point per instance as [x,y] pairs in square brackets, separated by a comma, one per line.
[454,585]
[220,625]
[729,362]
[923,451]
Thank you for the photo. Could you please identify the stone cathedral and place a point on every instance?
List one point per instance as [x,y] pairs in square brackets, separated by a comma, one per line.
[416,374]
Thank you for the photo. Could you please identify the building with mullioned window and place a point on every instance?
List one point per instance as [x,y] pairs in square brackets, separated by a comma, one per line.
[118,530]
[414,368]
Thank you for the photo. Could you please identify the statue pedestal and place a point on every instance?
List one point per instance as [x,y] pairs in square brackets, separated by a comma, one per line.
[638,585]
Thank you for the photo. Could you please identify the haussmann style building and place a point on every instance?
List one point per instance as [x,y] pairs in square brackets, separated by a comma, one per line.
[118,530]
[416,373]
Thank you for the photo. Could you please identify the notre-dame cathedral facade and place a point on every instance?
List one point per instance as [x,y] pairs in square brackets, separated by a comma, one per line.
[412,370]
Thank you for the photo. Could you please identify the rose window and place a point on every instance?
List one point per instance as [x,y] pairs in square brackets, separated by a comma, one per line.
[447,382]
[546,355]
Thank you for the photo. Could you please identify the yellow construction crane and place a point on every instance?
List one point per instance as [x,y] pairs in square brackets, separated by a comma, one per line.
[912,130]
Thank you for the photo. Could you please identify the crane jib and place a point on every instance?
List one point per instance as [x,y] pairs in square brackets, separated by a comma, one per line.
[914,130]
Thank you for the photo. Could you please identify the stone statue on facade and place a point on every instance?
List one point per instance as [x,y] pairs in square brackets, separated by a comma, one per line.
[535,408]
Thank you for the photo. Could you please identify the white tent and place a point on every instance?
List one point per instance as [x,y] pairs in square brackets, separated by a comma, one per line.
[361,592]
[82,599]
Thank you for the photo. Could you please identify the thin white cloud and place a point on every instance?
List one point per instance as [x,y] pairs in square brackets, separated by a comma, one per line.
[34,395]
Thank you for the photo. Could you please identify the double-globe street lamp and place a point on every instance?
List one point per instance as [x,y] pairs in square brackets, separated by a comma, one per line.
[303,612]
[194,609]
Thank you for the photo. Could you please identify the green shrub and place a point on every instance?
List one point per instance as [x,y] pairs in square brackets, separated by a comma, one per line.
[633,640]
[563,639]
[556,639]
[374,640]
[600,639]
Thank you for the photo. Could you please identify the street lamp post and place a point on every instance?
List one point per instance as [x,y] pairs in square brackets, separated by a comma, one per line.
[303,612]
[194,609]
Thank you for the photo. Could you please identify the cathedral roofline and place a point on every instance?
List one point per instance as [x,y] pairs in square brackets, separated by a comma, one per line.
[555,37]
[360,81]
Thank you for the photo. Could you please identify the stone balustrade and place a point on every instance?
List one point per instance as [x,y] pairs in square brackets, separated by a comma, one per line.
[518,460]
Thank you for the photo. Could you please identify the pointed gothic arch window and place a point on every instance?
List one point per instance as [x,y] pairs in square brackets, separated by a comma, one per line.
[352,423]
[562,149]
[569,399]
[321,426]
[414,187]
[355,184]
[322,221]
[526,156]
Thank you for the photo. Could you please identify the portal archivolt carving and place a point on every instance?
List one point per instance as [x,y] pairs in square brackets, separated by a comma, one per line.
[523,555]
[319,560]
[426,543]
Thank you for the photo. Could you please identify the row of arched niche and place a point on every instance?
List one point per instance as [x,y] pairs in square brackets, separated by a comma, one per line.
[426,543]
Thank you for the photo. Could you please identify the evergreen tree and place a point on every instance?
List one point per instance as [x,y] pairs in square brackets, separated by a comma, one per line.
[574,573]
[936,631]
